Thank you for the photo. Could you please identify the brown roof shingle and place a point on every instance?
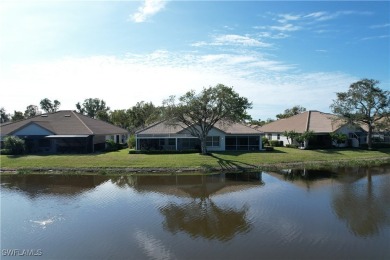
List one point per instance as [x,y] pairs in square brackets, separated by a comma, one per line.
[65,122]
[315,121]
[164,128]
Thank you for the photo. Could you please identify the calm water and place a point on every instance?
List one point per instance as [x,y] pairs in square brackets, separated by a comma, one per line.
[343,214]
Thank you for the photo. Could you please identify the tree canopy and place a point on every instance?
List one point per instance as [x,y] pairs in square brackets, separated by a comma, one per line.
[200,112]
[31,111]
[93,107]
[48,106]
[18,115]
[295,110]
[4,116]
[363,103]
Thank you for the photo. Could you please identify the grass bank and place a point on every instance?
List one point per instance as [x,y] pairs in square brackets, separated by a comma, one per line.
[121,161]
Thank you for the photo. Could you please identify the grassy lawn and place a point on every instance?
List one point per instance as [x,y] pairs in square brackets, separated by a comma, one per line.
[121,159]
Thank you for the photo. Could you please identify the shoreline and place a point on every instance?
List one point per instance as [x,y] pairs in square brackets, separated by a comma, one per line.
[313,165]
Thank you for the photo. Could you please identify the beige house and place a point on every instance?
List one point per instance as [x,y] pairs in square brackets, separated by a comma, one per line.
[321,124]
[222,137]
[64,132]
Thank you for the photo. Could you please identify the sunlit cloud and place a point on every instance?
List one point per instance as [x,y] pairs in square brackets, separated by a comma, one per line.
[232,40]
[271,85]
[148,9]
[377,26]
[377,37]
[286,27]
[284,18]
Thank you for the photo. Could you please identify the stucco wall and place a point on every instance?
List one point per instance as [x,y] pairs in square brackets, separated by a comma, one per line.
[32,129]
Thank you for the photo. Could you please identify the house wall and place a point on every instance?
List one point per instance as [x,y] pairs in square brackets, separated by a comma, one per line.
[278,137]
[32,129]
[355,136]
[216,133]
[117,138]
[161,141]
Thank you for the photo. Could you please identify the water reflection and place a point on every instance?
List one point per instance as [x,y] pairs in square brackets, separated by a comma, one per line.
[35,185]
[365,209]
[200,216]
[342,213]
[203,218]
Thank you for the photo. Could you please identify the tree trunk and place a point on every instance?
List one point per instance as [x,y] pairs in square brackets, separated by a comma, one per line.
[369,139]
[203,146]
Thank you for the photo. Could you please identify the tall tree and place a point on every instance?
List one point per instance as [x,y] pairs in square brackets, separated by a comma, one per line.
[48,106]
[120,118]
[363,103]
[92,107]
[31,111]
[295,110]
[200,112]
[18,115]
[4,116]
[142,114]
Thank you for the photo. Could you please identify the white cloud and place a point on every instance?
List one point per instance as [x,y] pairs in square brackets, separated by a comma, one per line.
[232,40]
[288,17]
[376,26]
[148,9]
[286,27]
[378,37]
[271,85]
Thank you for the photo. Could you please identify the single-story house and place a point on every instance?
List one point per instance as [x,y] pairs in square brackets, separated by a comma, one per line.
[222,137]
[320,124]
[64,132]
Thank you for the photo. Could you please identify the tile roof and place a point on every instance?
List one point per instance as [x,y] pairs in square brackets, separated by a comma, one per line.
[315,121]
[65,122]
[163,127]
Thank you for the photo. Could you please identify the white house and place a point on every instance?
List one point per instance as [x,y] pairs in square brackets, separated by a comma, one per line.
[222,137]
[320,124]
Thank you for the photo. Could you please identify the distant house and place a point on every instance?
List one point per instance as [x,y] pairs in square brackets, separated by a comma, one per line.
[222,137]
[64,132]
[321,124]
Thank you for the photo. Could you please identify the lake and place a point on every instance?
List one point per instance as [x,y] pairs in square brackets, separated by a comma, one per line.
[292,214]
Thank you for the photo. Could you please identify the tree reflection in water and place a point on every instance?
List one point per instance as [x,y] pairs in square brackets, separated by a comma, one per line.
[202,217]
[362,205]
[364,209]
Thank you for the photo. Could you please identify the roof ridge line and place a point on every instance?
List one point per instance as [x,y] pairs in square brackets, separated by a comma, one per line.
[74,113]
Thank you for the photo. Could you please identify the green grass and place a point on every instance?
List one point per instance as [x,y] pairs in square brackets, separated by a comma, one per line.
[225,160]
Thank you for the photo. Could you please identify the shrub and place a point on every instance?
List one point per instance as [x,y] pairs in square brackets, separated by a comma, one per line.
[14,145]
[265,141]
[5,151]
[292,146]
[269,148]
[276,143]
[131,142]
[112,146]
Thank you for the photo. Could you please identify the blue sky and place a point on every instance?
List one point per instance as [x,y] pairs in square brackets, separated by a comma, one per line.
[277,54]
